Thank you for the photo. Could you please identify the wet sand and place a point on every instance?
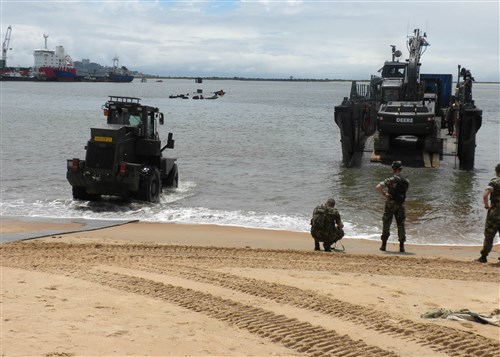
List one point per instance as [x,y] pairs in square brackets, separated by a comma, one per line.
[202,290]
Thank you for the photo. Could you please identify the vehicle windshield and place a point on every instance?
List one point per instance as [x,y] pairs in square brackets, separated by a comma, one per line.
[124,117]
[393,71]
[134,119]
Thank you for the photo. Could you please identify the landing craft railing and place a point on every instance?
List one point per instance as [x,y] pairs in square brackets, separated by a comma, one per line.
[360,91]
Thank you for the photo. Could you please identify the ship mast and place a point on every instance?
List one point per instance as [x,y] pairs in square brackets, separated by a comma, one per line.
[45,37]
[115,63]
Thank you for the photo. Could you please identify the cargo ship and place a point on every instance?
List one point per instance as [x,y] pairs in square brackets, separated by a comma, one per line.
[117,74]
[56,65]
[53,65]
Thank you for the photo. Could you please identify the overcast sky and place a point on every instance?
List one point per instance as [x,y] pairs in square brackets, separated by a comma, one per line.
[303,39]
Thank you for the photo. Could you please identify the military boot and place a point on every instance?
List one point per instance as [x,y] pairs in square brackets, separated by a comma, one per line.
[316,245]
[401,247]
[482,259]
[328,247]
[384,238]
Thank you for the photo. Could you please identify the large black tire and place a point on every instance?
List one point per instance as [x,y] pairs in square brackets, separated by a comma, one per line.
[80,193]
[172,179]
[150,185]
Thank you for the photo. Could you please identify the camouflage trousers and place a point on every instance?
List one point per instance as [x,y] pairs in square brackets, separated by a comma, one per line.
[396,210]
[327,243]
[491,228]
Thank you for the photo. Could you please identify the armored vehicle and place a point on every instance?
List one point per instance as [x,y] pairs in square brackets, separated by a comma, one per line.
[401,115]
[124,156]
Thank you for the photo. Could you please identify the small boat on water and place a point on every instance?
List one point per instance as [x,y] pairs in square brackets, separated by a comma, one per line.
[199,95]
[17,74]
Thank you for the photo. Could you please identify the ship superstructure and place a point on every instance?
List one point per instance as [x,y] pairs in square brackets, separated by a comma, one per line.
[54,65]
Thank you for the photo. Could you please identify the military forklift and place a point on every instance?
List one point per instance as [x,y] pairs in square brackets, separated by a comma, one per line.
[124,156]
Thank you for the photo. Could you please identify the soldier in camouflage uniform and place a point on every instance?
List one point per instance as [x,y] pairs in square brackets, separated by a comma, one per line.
[326,225]
[492,225]
[394,205]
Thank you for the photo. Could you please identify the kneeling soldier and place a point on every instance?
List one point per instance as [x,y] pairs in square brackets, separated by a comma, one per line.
[326,225]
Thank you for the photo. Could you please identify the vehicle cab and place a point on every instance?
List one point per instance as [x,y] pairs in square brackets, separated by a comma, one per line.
[393,78]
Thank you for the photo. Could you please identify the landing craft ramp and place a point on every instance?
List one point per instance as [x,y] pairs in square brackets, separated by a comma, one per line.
[409,150]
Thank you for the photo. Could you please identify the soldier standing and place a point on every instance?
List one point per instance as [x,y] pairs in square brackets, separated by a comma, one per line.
[467,84]
[451,115]
[326,225]
[394,205]
[492,225]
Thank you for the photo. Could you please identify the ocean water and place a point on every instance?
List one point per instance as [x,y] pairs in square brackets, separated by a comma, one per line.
[264,155]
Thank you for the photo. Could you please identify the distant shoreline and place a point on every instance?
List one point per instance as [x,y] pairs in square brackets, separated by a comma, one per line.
[257,79]
[249,79]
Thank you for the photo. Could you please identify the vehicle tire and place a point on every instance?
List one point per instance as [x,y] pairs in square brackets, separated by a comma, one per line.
[172,179]
[80,193]
[150,186]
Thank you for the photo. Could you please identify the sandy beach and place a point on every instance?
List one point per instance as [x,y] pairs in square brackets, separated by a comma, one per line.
[150,289]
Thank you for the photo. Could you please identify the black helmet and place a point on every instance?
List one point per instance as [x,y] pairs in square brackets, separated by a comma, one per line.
[463,71]
[497,168]
[397,165]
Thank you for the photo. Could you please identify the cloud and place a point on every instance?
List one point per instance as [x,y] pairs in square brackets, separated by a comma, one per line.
[313,39]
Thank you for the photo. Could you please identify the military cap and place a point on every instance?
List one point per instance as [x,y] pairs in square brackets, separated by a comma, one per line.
[497,168]
[330,202]
[397,165]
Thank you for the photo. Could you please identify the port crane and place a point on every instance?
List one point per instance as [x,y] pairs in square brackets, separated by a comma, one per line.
[5,47]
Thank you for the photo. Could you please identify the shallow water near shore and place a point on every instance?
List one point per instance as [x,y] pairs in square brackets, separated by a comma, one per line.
[264,155]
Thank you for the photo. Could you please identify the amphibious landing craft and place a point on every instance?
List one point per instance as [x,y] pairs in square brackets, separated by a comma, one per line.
[401,115]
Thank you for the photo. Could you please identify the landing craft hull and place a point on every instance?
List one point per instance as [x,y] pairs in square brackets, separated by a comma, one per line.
[469,122]
[359,133]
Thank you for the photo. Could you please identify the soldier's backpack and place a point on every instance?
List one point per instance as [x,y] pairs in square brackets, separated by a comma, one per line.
[398,189]
[323,225]
[495,195]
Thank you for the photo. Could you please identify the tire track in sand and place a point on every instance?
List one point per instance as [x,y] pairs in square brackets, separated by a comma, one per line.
[300,336]
[439,338]
[212,257]
[74,258]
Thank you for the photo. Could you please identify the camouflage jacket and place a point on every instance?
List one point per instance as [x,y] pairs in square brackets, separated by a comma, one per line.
[494,187]
[397,186]
[325,224]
